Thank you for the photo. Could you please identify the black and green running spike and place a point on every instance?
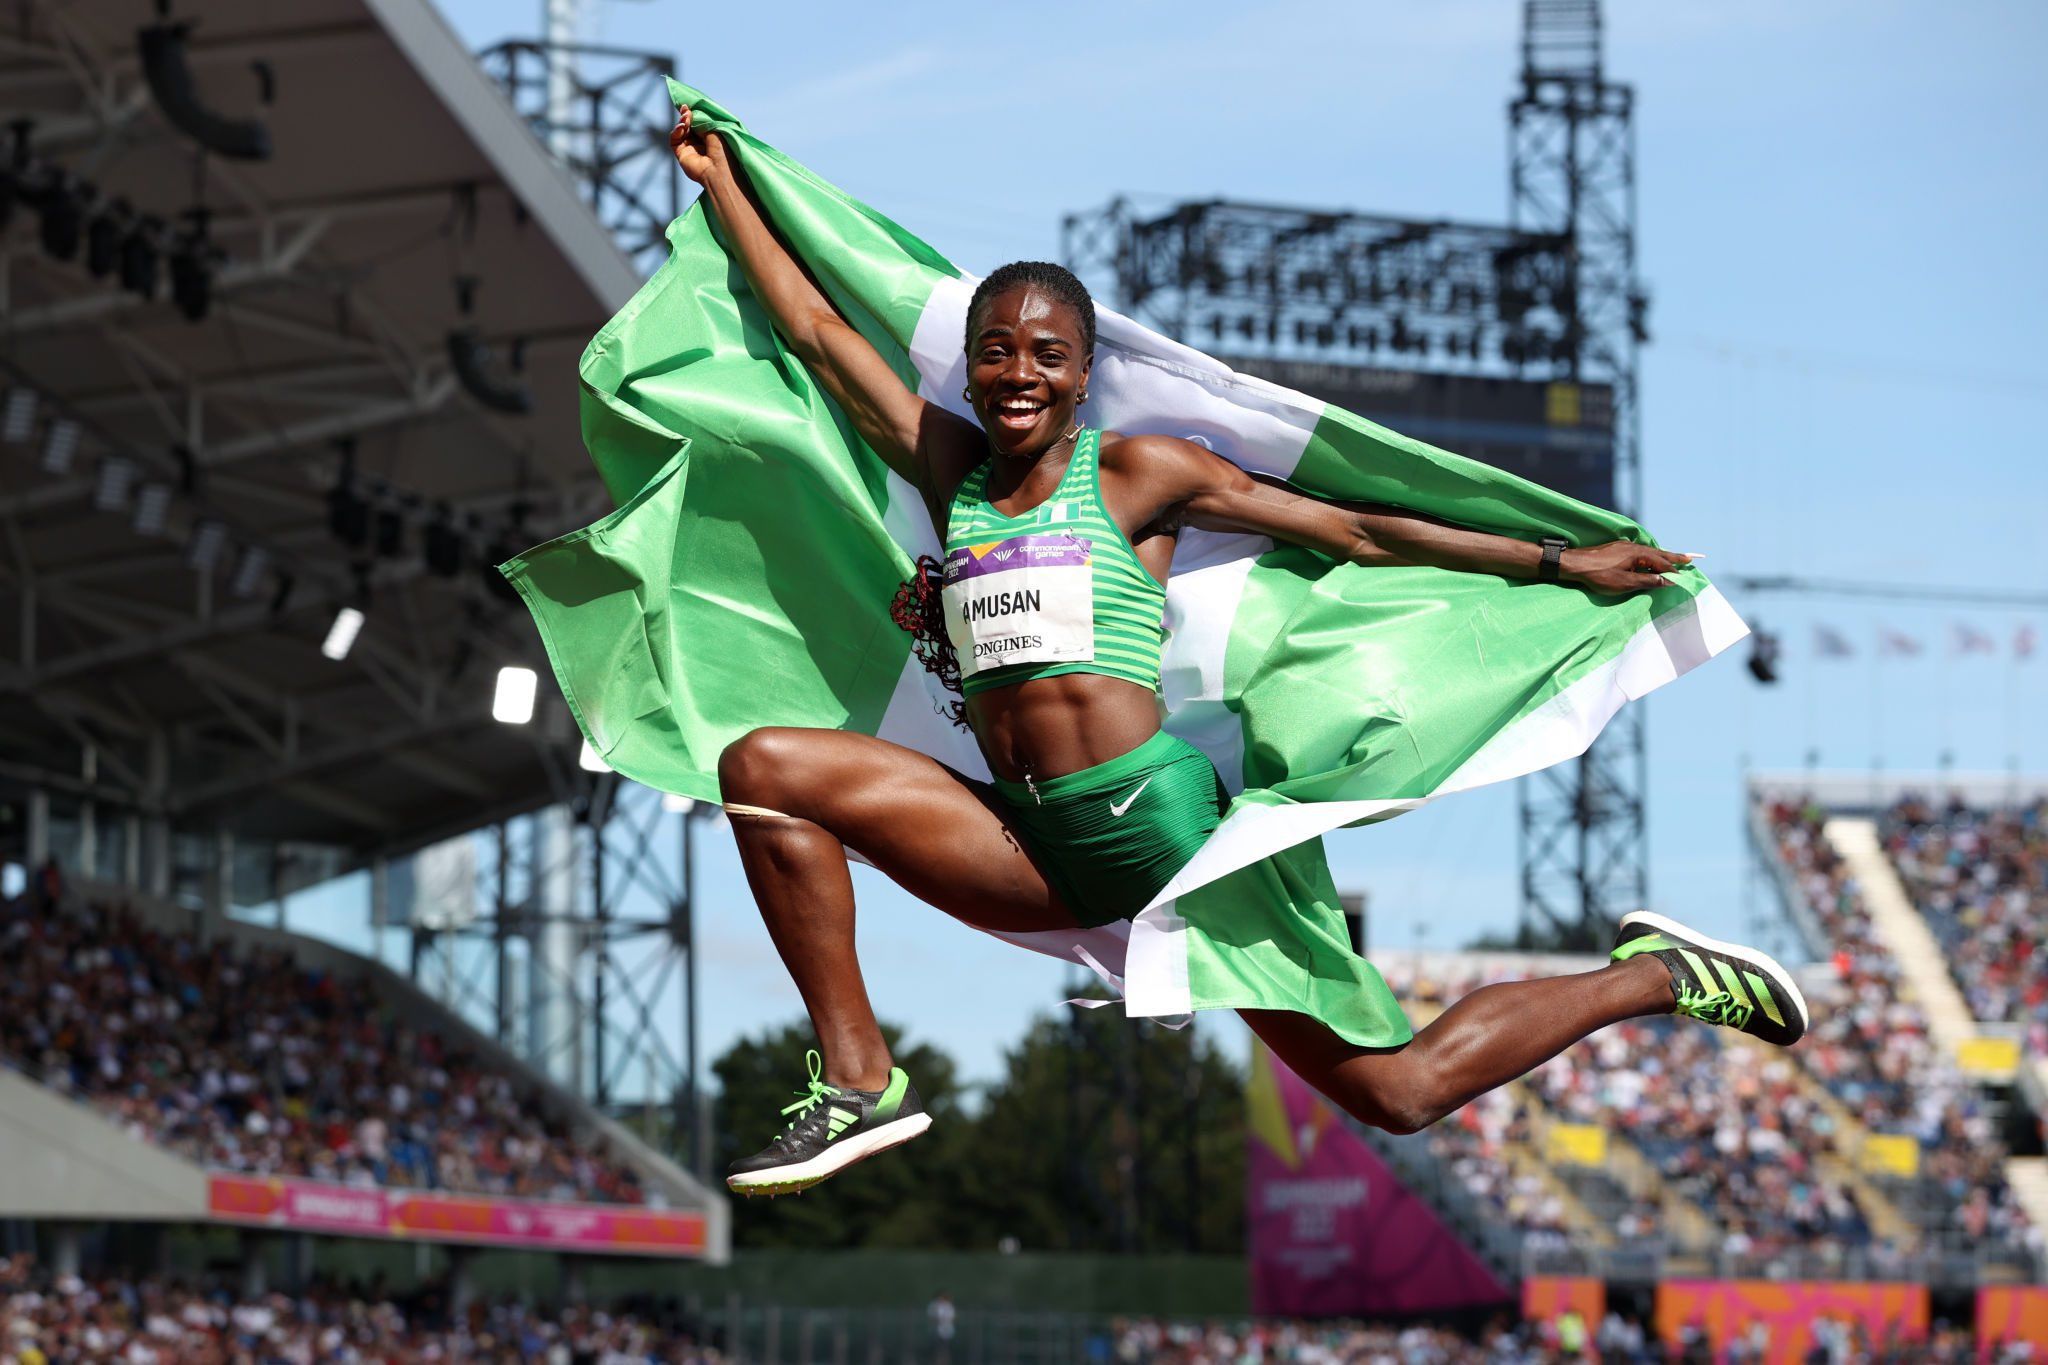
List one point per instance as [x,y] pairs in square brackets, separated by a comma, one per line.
[833,1128]
[1716,982]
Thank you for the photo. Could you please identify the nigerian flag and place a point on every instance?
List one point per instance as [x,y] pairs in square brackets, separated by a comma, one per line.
[745,580]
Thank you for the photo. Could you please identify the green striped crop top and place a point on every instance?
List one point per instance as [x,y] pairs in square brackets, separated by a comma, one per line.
[1056,590]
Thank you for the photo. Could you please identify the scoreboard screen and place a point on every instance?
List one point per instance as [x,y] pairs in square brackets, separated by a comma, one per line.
[1555,433]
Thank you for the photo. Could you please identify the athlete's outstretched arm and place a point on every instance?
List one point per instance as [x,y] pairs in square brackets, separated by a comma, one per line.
[1211,492]
[915,438]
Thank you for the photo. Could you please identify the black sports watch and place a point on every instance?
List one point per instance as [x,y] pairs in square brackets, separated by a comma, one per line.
[1553,553]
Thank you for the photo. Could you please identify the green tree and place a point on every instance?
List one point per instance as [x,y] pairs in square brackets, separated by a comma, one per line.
[1109,1134]
[1105,1134]
[898,1200]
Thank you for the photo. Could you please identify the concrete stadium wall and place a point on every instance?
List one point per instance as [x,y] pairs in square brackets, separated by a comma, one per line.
[62,1159]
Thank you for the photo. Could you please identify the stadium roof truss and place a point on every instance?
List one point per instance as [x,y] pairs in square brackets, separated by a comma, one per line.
[186,504]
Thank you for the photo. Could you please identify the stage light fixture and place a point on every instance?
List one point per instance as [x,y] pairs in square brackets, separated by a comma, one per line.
[111,487]
[389,526]
[348,516]
[18,418]
[192,262]
[63,215]
[60,446]
[513,702]
[141,256]
[590,760]
[169,74]
[152,509]
[441,545]
[103,235]
[251,566]
[209,538]
[341,636]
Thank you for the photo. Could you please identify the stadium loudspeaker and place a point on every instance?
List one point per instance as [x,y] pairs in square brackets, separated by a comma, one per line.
[1763,657]
[471,360]
[170,79]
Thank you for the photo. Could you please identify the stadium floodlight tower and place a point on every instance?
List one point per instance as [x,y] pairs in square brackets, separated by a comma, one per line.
[1514,344]
[1583,832]
[589,104]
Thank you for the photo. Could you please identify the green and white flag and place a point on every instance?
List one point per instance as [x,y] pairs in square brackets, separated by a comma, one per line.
[746,577]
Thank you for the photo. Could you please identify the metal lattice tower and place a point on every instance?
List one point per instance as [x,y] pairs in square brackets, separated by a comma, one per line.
[1583,833]
[588,104]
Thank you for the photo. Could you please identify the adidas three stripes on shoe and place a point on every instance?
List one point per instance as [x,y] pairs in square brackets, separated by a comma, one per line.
[1716,982]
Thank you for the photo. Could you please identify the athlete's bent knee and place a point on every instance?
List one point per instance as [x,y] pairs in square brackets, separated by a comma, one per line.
[1392,1107]
[758,767]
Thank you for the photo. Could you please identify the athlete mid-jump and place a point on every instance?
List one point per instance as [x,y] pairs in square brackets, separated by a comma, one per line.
[1058,539]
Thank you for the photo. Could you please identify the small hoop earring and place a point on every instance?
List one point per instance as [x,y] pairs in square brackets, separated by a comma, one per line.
[1082,399]
[967,394]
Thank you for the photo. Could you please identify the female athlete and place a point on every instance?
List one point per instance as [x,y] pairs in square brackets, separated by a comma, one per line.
[1058,538]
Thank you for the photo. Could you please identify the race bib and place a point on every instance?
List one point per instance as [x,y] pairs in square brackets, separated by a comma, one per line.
[1025,600]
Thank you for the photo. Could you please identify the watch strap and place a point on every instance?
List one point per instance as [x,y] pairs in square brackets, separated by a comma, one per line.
[1553,555]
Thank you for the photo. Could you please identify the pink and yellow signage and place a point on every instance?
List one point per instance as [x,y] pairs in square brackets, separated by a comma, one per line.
[2010,1313]
[313,1206]
[1332,1230]
[1791,1312]
[1546,1298]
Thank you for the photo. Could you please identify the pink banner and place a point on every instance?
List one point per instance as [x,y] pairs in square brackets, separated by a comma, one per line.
[1785,1314]
[1332,1230]
[313,1206]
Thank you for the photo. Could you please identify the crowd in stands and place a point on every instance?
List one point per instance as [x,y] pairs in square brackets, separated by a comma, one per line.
[1477,1142]
[1870,1045]
[1730,1130]
[1616,1340]
[244,1061]
[1981,879]
[48,1319]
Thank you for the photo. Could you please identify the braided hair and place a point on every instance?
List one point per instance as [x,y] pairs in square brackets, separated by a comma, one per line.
[1055,280]
[917,609]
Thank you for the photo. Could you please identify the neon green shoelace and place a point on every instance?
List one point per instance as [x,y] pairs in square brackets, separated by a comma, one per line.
[1714,1007]
[816,1094]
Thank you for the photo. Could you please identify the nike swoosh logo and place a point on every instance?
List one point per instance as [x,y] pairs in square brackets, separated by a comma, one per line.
[1115,809]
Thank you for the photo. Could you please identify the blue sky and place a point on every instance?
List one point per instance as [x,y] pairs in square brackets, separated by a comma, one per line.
[1841,211]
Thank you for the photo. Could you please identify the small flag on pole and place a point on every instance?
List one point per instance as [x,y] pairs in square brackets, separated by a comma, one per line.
[1894,644]
[1830,643]
[1970,640]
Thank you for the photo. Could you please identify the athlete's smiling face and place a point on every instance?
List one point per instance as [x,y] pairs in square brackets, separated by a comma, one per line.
[1026,369]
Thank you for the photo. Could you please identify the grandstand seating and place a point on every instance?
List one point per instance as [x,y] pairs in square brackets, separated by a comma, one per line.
[246,1061]
[1753,1150]
[69,1317]
[1980,877]
[1871,1045]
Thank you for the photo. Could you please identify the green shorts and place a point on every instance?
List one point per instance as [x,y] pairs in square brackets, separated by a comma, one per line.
[1109,837]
